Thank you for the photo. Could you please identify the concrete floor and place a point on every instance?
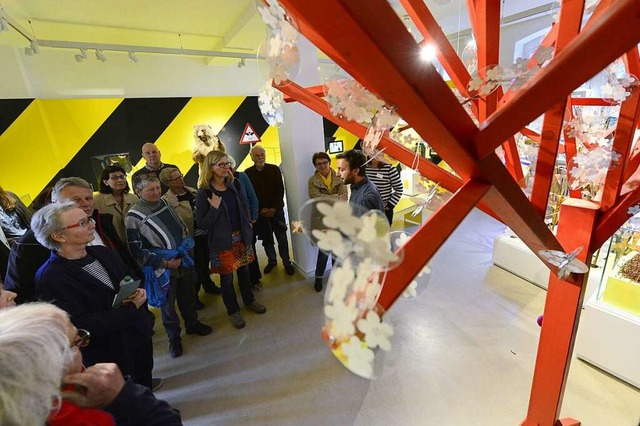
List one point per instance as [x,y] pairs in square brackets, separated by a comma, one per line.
[464,353]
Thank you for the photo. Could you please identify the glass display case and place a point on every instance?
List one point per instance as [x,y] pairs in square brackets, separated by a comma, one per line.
[609,330]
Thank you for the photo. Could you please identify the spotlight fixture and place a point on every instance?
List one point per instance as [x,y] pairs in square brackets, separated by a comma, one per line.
[100,55]
[132,57]
[82,55]
[32,49]
[428,53]
[242,63]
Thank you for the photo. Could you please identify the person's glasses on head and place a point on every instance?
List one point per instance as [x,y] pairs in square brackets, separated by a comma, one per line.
[83,223]
[82,340]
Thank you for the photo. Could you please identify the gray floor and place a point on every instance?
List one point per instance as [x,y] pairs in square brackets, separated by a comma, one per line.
[464,353]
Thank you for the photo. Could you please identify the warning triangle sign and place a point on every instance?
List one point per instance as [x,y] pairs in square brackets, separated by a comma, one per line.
[249,136]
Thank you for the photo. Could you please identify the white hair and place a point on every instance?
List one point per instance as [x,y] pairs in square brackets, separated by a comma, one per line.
[65,182]
[34,352]
[48,221]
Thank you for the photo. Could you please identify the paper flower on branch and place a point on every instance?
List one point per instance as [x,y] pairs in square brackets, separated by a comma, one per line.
[279,50]
[362,242]
[270,102]
[348,100]
[566,262]
[590,168]
[619,84]
[591,126]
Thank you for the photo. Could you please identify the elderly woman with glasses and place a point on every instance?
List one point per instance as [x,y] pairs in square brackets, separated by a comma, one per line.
[84,281]
[223,209]
[114,197]
[42,379]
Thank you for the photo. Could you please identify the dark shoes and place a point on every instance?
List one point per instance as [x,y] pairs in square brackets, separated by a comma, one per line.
[289,269]
[318,285]
[199,305]
[212,289]
[200,329]
[175,348]
[236,320]
[269,268]
[256,307]
[257,286]
[156,383]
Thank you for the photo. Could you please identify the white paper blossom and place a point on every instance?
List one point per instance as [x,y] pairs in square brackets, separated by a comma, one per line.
[331,240]
[376,332]
[342,318]
[341,278]
[359,357]
[411,291]
[368,233]
[339,215]
[402,239]
[634,210]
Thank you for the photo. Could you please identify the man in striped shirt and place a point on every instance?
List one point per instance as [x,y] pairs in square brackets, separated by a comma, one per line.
[387,179]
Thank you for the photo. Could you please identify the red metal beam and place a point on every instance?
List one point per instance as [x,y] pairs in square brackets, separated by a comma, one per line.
[589,102]
[568,26]
[425,167]
[561,316]
[555,81]
[429,237]
[385,58]
[535,136]
[614,218]
[314,90]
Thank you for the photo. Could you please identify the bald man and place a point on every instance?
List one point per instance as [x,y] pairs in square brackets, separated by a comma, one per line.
[154,164]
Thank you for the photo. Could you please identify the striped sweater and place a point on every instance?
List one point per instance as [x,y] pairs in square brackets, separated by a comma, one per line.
[153,225]
[387,180]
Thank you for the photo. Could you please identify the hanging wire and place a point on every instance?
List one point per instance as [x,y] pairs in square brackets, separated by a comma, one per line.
[33,33]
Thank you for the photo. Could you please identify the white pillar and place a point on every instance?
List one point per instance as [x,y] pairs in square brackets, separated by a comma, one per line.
[301,135]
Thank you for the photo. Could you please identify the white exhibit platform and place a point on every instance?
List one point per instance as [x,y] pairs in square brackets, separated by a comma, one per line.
[511,254]
[610,339]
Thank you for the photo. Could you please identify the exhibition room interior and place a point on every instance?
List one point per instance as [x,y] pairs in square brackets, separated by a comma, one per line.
[83,84]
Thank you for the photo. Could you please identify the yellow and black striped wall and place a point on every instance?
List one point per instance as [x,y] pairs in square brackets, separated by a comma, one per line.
[42,140]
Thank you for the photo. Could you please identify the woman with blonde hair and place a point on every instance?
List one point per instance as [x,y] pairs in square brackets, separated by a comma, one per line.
[223,210]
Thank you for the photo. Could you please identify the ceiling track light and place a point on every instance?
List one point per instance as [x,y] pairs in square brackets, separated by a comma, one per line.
[132,57]
[32,49]
[242,63]
[100,55]
[81,56]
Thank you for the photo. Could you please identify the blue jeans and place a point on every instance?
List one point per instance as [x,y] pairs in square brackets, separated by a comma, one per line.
[181,289]
[274,225]
[229,292]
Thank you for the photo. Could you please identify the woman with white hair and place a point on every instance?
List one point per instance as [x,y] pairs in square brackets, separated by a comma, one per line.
[84,281]
[39,354]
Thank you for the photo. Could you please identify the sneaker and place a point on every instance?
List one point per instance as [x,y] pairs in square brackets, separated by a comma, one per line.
[258,287]
[256,307]
[318,285]
[200,329]
[175,348]
[199,305]
[289,269]
[156,383]
[269,268]
[236,320]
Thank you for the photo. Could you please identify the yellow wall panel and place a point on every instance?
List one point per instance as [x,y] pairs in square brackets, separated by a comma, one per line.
[176,142]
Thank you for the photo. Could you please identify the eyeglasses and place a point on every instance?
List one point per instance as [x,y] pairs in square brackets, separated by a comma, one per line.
[224,165]
[82,340]
[83,223]
[118,177]
[322,163]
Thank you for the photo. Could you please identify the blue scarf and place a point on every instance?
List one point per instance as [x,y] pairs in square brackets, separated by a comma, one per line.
[157,287]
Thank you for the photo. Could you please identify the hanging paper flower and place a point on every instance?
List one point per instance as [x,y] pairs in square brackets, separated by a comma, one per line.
[333,241]
[634,210]
[376,333]
[411,291]
[342,318]
[359,357]
[339,216]
[342,277]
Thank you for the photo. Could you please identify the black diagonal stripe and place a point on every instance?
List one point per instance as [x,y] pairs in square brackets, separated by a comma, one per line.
[134,122]
[10,109]
[247,112]
[330,129]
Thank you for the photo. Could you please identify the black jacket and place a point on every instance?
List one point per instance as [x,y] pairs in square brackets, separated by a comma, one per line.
[27,256]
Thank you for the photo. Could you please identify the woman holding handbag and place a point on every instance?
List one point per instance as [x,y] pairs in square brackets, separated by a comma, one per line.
[222,209]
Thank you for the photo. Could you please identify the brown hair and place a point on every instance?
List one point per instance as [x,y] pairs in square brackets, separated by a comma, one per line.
[7,201]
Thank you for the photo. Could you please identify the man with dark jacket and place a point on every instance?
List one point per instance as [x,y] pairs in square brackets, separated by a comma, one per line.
[28,255]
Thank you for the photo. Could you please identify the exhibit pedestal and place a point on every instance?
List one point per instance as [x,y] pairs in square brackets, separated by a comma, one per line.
[512,255]
[609,338]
